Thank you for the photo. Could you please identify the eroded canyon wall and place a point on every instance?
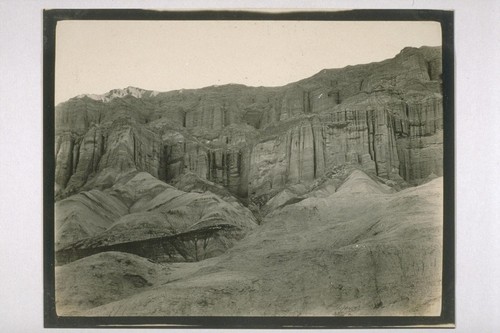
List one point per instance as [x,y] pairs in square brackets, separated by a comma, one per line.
[385,118]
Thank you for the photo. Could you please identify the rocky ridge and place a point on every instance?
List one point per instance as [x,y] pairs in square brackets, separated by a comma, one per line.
[385,117]
[141,214]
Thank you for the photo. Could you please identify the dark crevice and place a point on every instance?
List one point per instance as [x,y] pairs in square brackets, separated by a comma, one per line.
[92,163]
[134,147]
[76,157]
[291,202]
[70,164]
[308,100]
[370,120]
[314,153]
[164,162]
[209,166]
[157,249]
[102,146]
[429,69]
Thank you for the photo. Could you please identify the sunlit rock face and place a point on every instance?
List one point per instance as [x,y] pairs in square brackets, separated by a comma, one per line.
[385,118]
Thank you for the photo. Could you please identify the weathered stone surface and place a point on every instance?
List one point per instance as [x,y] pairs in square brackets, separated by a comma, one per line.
[222,160]
[361,253]
[140,207]
[105,153]
[67,158]
[385,117]
[294,156]
[111,276]
[84,215]
[190,182]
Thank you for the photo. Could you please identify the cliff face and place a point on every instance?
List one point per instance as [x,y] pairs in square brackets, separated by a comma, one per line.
[97,158]
[385,118]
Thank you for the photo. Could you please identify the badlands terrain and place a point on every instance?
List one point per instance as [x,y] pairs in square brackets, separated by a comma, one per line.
[319,198]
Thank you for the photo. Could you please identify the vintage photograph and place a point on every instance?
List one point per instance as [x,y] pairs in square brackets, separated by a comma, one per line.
[248,167]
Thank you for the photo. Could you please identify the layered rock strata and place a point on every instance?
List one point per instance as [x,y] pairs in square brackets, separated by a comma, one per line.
[142,215]
[384,117]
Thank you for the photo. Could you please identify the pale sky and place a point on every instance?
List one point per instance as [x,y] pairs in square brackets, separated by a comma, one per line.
[97,56]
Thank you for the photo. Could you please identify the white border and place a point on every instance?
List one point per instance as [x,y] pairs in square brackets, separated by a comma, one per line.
[477,151]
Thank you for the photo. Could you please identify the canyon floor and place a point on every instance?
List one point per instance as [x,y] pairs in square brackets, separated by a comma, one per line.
[361,249]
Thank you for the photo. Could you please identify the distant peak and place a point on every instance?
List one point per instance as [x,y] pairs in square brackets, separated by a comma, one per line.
[120,93]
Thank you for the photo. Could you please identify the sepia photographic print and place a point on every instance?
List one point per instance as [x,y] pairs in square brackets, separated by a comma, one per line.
[248,169]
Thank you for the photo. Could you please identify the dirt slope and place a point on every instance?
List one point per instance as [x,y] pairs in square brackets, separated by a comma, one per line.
[362,252]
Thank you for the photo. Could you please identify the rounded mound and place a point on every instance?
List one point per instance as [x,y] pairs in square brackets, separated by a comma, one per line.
[359,182]
[100,279]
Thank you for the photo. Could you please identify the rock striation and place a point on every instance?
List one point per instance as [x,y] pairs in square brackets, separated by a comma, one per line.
[384,117]
[143,215]
[363,250]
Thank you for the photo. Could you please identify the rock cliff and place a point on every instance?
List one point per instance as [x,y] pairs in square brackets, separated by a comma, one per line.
[384,117]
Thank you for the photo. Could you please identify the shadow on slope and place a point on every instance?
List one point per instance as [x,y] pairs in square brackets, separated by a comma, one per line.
[145,216]
[361,253]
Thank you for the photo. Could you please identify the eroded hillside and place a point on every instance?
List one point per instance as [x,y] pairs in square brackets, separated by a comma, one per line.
[321,197]
[358,251]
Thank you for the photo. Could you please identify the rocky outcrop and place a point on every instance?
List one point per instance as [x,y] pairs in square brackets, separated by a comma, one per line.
[385,118]
[296,155]
[84,215]
[105,152]
[222,160]
[142,215]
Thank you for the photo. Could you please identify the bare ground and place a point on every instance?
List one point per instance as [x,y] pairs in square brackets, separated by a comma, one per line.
[360,251]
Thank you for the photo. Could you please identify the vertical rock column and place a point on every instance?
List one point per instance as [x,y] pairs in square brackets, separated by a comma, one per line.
[64,160]
[180,156]
[382,146]
[419,141]
[86,158]
[301,154]
[305,149]
[361,137]
[319,141]
[229,167]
